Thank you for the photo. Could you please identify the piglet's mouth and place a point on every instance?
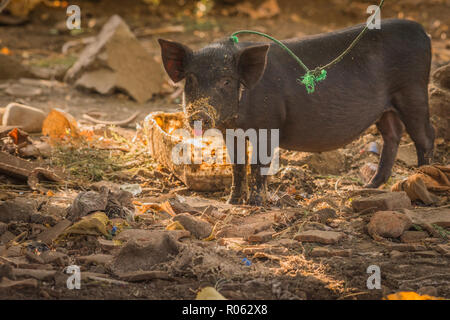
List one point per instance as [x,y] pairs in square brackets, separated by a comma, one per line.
[200,110]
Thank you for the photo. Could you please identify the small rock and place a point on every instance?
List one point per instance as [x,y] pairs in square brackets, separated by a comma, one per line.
[325,237]
[58,258]
[17,285]
[443,248]
[107,244]
[87,202]
[260,237]
[325,252]
[32,257]
[437,216]
[382,202]
[428,290]
[14,251]
[413,236]
[42,275]
[426,254]
[142,235]
[407,247]
[394,254]
[138,276]
[136,256]
[388,224]
[23,91]
[27,118]
[3,228]
[6,237]
[18,209]
[198,227]
[44,219]
[49,235]
[324,215]
[99,259]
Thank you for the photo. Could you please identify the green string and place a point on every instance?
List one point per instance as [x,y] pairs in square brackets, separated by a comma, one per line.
[311,77]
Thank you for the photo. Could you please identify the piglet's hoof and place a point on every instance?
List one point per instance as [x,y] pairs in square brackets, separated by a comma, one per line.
[235,200]
[255,200]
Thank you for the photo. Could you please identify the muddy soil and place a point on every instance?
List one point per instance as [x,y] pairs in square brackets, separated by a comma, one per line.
[280,267]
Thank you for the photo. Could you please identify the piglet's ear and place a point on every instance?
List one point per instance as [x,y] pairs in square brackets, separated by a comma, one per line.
[174,57]
[251,64]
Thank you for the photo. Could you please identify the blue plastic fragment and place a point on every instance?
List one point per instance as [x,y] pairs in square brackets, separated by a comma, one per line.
[247,262]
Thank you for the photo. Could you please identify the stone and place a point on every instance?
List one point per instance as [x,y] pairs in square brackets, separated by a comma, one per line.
[325,252]
[6,237]
[17,285]
[428,290]
[382,202]
[87,202]
[199,228]
[427,254]
[49,235]
[117,60]
[443,248]
[388,224]
[260,237]
[437,216]
[98,259]
[43,275]
[324,215]
[394,254]
[18,209]
[25,117]
[402,247]
[135,256]
[319,236]
[23,91]
[439,90]
[55,257]
[413,236]
[3,228]
[137,276]
[407,154]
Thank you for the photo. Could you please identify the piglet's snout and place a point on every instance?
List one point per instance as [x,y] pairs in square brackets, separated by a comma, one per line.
[203,119]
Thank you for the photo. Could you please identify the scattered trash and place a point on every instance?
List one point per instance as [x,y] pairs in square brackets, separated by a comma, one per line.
[247,262]
[134,189]
[24,117]
[115,203]
[373,147]
[59,124]
[427,181]
[410,295]
[209,293]
[94,224]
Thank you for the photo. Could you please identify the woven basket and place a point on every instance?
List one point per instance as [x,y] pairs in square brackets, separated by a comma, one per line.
[200,177]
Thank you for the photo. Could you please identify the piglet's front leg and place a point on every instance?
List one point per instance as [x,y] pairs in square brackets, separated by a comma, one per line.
[257,186]
[238,185]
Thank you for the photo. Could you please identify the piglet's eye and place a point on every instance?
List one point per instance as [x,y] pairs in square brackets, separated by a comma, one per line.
[226,82]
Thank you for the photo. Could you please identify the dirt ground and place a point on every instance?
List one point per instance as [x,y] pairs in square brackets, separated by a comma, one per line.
[280,266]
